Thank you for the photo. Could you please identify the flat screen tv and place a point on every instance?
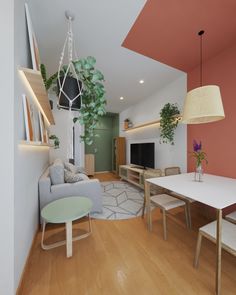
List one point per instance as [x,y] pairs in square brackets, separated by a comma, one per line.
[143,154]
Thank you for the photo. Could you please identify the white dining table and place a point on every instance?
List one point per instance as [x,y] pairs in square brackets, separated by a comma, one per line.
[215,191]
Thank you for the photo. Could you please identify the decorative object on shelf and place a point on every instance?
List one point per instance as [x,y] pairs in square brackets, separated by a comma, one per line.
[200,156]
[32,40]
[168,122]
[126,123]
[203,104]
[56,141]
[27,117]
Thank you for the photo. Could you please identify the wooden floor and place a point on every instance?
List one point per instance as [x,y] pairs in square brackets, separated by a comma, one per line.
[122,257]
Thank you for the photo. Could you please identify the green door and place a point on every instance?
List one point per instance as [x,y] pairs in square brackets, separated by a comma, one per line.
[102,146]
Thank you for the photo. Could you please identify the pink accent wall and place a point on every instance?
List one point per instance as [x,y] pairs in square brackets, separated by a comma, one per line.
[218,138]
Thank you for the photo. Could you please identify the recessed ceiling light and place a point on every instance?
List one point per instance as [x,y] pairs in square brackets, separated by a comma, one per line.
[141,81]
[121,98]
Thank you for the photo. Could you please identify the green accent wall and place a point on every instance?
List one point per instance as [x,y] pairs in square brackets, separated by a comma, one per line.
[107,128]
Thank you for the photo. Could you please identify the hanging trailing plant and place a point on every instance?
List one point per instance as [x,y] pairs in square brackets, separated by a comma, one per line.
[168,123]
[93,97]
[93,94]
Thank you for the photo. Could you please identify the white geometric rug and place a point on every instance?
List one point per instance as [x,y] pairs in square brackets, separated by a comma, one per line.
[121,200]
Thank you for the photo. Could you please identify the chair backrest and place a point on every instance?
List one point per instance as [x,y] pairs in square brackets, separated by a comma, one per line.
[172,171]
[152,173]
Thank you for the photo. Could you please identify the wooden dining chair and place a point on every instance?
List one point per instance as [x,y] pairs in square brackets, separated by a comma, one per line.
[166,203]
[231,217]
[174,171]
[154,190]
[209,231]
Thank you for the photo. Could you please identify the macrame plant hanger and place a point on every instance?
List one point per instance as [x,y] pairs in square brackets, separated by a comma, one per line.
[65,70]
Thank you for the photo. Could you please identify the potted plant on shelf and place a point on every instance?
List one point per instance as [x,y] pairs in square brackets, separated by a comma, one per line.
[126,123]
[56,141]
[168,122]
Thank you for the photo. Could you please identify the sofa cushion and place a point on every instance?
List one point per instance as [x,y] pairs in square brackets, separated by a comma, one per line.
[56,172]
[72,168]
[72,177]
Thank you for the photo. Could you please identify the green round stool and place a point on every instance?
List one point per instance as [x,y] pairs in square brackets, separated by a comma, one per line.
[66,210]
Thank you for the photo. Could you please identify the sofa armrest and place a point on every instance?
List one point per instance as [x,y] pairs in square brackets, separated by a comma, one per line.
[86,188]
[44,189]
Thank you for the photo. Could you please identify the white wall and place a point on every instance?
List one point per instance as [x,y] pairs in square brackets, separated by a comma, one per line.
[7,149]
[29,161]
[148,110]
[60,129]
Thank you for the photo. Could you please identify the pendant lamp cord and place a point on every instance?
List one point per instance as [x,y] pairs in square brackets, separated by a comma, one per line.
[200,34]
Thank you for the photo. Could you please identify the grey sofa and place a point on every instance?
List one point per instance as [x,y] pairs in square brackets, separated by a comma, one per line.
[90,188]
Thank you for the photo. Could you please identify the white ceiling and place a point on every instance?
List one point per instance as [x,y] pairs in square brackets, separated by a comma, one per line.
[99,30]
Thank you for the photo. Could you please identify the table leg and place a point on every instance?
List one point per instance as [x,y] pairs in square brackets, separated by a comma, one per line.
[148,205]
[69,239]
[218,247]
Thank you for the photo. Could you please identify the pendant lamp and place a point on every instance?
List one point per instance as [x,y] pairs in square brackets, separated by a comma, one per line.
[203,104]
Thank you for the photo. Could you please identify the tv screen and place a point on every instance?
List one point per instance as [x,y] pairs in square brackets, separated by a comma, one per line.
[142,154]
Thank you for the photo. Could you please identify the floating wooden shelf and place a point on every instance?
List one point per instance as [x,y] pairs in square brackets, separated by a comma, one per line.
[155,122]
[146,124]
[35,81]
[34,143]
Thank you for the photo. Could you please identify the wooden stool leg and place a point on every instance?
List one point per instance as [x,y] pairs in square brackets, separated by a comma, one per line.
[164,224]
[68,239]
[199,242]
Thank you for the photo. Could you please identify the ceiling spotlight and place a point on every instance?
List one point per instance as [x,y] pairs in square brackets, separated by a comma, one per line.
[141,81]
[121,98]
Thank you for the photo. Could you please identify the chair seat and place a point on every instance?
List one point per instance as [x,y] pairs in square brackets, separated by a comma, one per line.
[166,202]
[231,217]
[228,234]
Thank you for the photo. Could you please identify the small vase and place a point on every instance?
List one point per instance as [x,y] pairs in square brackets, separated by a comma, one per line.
[198,176]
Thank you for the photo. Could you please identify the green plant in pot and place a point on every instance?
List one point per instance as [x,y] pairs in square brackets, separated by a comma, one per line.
[56,141]
[168,122]
[93,99]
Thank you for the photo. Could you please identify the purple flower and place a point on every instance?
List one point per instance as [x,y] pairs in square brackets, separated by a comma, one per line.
[197,146]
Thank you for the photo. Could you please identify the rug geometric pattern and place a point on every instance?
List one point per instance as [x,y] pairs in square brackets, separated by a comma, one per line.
[121,200]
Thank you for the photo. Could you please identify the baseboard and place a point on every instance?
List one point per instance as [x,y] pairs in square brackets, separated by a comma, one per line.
[26,263]
[100,172]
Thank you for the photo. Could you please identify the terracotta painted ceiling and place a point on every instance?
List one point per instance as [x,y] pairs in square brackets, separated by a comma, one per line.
[166,30]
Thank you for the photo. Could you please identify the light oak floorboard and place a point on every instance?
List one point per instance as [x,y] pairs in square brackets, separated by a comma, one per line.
[123,257]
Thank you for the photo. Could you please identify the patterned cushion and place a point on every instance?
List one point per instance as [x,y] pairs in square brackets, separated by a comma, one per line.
[56,172]
[72,177]
[72,168]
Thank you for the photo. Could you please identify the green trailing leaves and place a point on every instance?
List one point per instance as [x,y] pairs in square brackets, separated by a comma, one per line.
[56,141]
[168,123]
[93,94]
[48,82]
[93,97]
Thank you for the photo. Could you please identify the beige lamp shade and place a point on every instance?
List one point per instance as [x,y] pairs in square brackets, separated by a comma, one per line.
[203,105]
